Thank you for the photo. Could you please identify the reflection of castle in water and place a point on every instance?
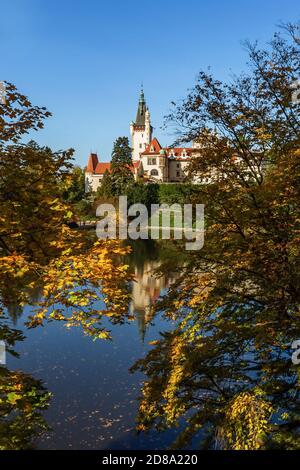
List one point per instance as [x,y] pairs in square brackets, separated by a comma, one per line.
[146,289]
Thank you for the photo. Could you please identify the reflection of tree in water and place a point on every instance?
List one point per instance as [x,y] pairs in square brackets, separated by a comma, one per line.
[14,293]
[22,399]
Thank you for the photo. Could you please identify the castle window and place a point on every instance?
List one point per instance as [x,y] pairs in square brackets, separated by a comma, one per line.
[178,165]
[151,160]
[154,172]
[177,174]
[141,146]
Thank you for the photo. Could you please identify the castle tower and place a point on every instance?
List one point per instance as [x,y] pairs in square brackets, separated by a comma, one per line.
[141,129]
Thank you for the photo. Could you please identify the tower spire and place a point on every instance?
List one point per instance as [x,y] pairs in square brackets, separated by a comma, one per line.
[140,116]
[142,96]
[141,129]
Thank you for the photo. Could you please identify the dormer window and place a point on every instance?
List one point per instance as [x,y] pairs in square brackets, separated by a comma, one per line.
[151,148]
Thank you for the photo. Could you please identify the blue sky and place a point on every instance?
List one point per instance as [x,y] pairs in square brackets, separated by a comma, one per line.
[85,59]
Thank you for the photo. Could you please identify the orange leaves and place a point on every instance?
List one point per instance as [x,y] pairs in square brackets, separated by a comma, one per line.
[14,268]
[39,251]
[94,284]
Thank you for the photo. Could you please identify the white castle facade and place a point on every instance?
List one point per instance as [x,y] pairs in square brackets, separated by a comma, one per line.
[151,161]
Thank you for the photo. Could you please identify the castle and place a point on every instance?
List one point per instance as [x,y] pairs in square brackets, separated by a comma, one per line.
[151,161]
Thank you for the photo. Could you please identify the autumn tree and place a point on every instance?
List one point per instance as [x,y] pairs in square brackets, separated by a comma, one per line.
[37,245]
[61,273]
[225,369]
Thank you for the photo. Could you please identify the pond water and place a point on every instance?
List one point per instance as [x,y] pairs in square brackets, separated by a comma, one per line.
[94,396]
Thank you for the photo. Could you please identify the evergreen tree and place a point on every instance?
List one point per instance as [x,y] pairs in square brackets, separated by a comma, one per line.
[74,185]
[106,187]
[121,154]
[121,167]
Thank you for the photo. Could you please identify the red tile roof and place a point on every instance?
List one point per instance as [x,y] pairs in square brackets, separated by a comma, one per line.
[92,163]
[156,147]
[99,168]
[102,167]
[153,144]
